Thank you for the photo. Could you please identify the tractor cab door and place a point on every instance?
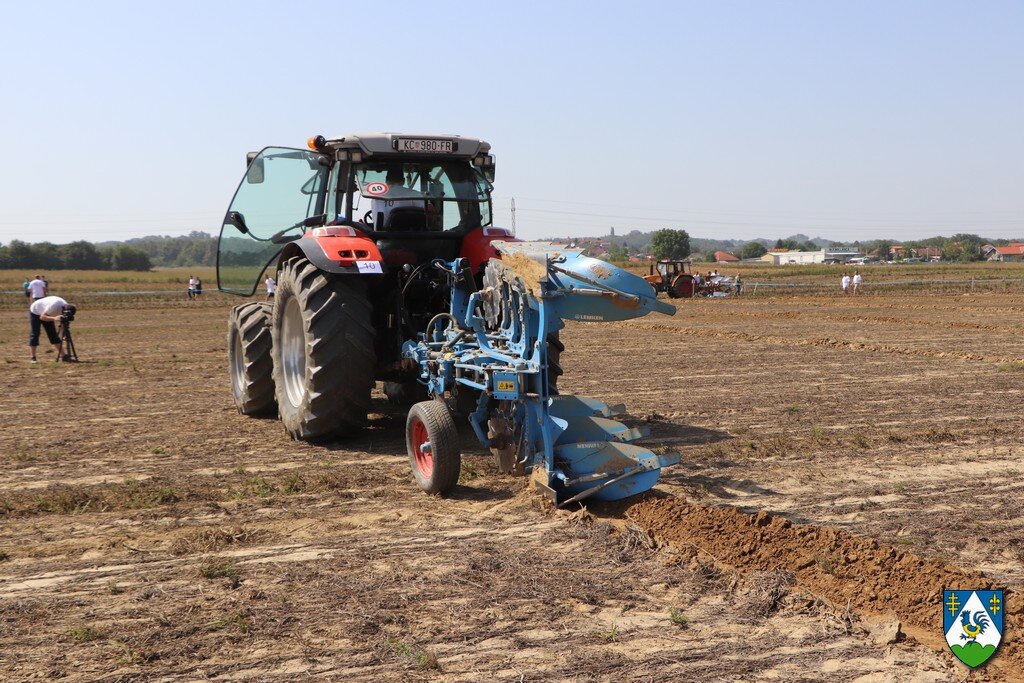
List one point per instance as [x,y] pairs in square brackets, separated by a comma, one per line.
[282,191]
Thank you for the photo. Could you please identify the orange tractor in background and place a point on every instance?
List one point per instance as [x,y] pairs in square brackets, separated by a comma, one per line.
[672,277]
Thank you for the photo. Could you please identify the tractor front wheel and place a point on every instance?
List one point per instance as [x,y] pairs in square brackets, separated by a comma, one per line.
[252,380]
[433,444]
[405,393]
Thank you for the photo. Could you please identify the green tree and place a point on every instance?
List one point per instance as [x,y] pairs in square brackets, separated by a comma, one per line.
[670,244]
[792,245]
[883,247]
[129,258]
[82,255]
[753,250]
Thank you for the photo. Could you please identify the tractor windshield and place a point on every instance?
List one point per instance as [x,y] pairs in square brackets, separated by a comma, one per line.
[426,195]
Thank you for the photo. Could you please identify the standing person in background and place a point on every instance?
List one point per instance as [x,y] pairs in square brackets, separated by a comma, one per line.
[845,283]
[192,286]
[271,287]
[857,279]
[37,289]
[199,287]
[738,284]
[24,287]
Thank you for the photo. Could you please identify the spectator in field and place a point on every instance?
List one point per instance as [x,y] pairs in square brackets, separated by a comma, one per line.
[738,285]
[37,289]
[24,286]
[45,313]
[199,287]
[857,279]
[192,286]
[845,283]
[271,287]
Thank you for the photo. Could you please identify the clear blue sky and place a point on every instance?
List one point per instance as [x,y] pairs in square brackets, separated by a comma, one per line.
[849,120]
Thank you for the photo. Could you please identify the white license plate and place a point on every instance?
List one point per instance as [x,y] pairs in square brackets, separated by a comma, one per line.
[421,145]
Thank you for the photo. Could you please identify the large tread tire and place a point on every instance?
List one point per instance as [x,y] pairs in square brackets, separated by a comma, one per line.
[329,395]
[249,359]
[437,470]
[405,393]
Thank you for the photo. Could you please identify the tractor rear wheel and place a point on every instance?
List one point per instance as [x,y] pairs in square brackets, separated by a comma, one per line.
[252,377]
[433,444]
[324,360]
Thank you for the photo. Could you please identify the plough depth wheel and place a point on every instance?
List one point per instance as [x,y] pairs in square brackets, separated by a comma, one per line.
[432,441]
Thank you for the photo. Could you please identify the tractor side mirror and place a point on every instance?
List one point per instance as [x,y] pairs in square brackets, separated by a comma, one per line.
[236,219]
[255,172]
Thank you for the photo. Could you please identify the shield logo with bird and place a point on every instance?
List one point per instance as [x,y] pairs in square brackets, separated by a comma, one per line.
[972,621]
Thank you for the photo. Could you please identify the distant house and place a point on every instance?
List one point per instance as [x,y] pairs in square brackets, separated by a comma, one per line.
[1012,253]
[802,258]
[988,252]
[725,257]
[930,253]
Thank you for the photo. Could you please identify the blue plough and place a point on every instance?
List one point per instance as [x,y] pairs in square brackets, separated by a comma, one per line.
[494,344]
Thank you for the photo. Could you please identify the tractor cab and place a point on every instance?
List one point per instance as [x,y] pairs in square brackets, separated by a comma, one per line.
[416,197]
[671,276]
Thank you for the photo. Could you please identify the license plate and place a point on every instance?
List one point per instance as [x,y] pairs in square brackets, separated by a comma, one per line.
[428,146]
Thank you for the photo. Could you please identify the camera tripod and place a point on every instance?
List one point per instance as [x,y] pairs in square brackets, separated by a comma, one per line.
[67,351]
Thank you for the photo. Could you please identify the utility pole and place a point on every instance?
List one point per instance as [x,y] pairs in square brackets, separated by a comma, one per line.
[513,215]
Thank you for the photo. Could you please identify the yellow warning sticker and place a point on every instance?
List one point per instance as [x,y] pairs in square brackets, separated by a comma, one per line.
[506,385]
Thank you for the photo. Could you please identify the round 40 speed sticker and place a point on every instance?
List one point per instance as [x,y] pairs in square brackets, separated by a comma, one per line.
[376,189]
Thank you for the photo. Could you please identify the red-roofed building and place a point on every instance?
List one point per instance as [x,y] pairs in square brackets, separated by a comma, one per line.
[725,257]
[1012,252]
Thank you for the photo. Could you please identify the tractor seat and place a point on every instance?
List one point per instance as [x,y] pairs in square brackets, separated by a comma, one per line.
[406,219]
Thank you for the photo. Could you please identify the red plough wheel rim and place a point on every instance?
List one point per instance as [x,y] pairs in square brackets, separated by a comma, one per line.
[424,460]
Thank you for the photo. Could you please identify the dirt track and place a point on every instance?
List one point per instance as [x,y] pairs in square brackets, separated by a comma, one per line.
[154,532]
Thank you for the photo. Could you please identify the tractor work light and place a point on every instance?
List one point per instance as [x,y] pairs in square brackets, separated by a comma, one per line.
[334,231]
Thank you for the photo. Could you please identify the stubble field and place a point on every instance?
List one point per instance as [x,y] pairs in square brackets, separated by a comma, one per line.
[844,460]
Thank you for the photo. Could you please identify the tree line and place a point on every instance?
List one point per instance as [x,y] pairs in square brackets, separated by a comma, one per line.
[80,255]
[675,243]
[141,253]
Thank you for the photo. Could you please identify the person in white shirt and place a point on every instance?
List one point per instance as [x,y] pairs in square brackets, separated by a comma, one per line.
[192,281]
[857,279]
[845,283]
[271,287]
[45,313]
[37,289]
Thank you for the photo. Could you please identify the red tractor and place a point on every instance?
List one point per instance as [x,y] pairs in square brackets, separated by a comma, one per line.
[351,229]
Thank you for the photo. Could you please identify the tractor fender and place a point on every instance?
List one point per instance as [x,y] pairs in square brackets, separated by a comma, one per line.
[338,254]
[476,245]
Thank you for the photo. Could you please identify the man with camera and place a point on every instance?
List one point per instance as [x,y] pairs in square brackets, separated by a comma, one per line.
[45,313]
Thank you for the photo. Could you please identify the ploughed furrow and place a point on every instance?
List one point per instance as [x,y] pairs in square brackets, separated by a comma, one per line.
[872,578]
